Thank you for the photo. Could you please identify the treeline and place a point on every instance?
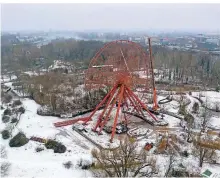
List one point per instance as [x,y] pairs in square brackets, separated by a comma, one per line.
[188,67]
[177,66]
[71,49]
[59,92]
[24,56]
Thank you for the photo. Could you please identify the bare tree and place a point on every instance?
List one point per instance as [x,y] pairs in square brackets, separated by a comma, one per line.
[205,119]
[195,107]
[3,152]
[190,120]
[204,150]
[126,160]
[170,163]
[5,166]
[204,146]
[217,106]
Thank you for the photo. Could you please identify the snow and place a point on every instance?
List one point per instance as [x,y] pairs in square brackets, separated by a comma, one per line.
[5,78]
[58,64]
[9,84]
[80,90]
[140,131]
[211,97]
[173,121]
[25,162]
[33,73]
[215,122]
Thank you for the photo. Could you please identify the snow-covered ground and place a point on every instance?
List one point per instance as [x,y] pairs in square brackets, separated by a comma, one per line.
[5,78]
[26,162]
[33,73]
[211,97]
[19,93]
[215,122]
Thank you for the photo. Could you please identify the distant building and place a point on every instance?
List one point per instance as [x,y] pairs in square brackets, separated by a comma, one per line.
[214,41]
[62,67]
[189,45]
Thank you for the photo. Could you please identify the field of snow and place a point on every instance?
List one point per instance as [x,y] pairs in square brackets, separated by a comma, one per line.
[26,162]
[211,97]
[215,122]
[19,93]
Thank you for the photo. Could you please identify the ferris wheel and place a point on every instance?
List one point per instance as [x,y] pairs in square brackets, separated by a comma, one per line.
[125,69]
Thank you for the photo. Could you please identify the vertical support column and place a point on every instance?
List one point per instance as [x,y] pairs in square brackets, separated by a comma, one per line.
[155,106]
[117,113]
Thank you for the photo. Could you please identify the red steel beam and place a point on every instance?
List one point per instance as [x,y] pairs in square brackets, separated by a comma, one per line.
[69,122]
[132,102]
[109,112]
[103,112]
[101,103]
[142,104]
[117,113]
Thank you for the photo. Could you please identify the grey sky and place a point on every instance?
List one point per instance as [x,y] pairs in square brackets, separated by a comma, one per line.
[110,16]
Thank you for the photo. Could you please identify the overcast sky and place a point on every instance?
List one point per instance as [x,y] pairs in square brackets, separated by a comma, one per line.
[16,17]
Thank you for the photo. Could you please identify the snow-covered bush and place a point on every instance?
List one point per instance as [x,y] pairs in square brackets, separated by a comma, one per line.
[7,112]
[56,146]
[182,109]
[185,153]
[21,110]
[16,103]
[5,166]
[14,120]
[3,152]
[39,149]
[59,148]
[217,106]
[68,165]
[5,119]
[18,140]
[84,163]
[5,134]
[44,110]
[7,98]
[195,107]
[51,144]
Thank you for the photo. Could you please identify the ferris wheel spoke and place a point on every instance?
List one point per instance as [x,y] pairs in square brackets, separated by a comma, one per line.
[127,67]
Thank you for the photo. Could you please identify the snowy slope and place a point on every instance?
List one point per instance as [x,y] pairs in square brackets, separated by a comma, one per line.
[25,162]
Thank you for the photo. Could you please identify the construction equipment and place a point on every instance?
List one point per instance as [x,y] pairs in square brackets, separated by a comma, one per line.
[155,104]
